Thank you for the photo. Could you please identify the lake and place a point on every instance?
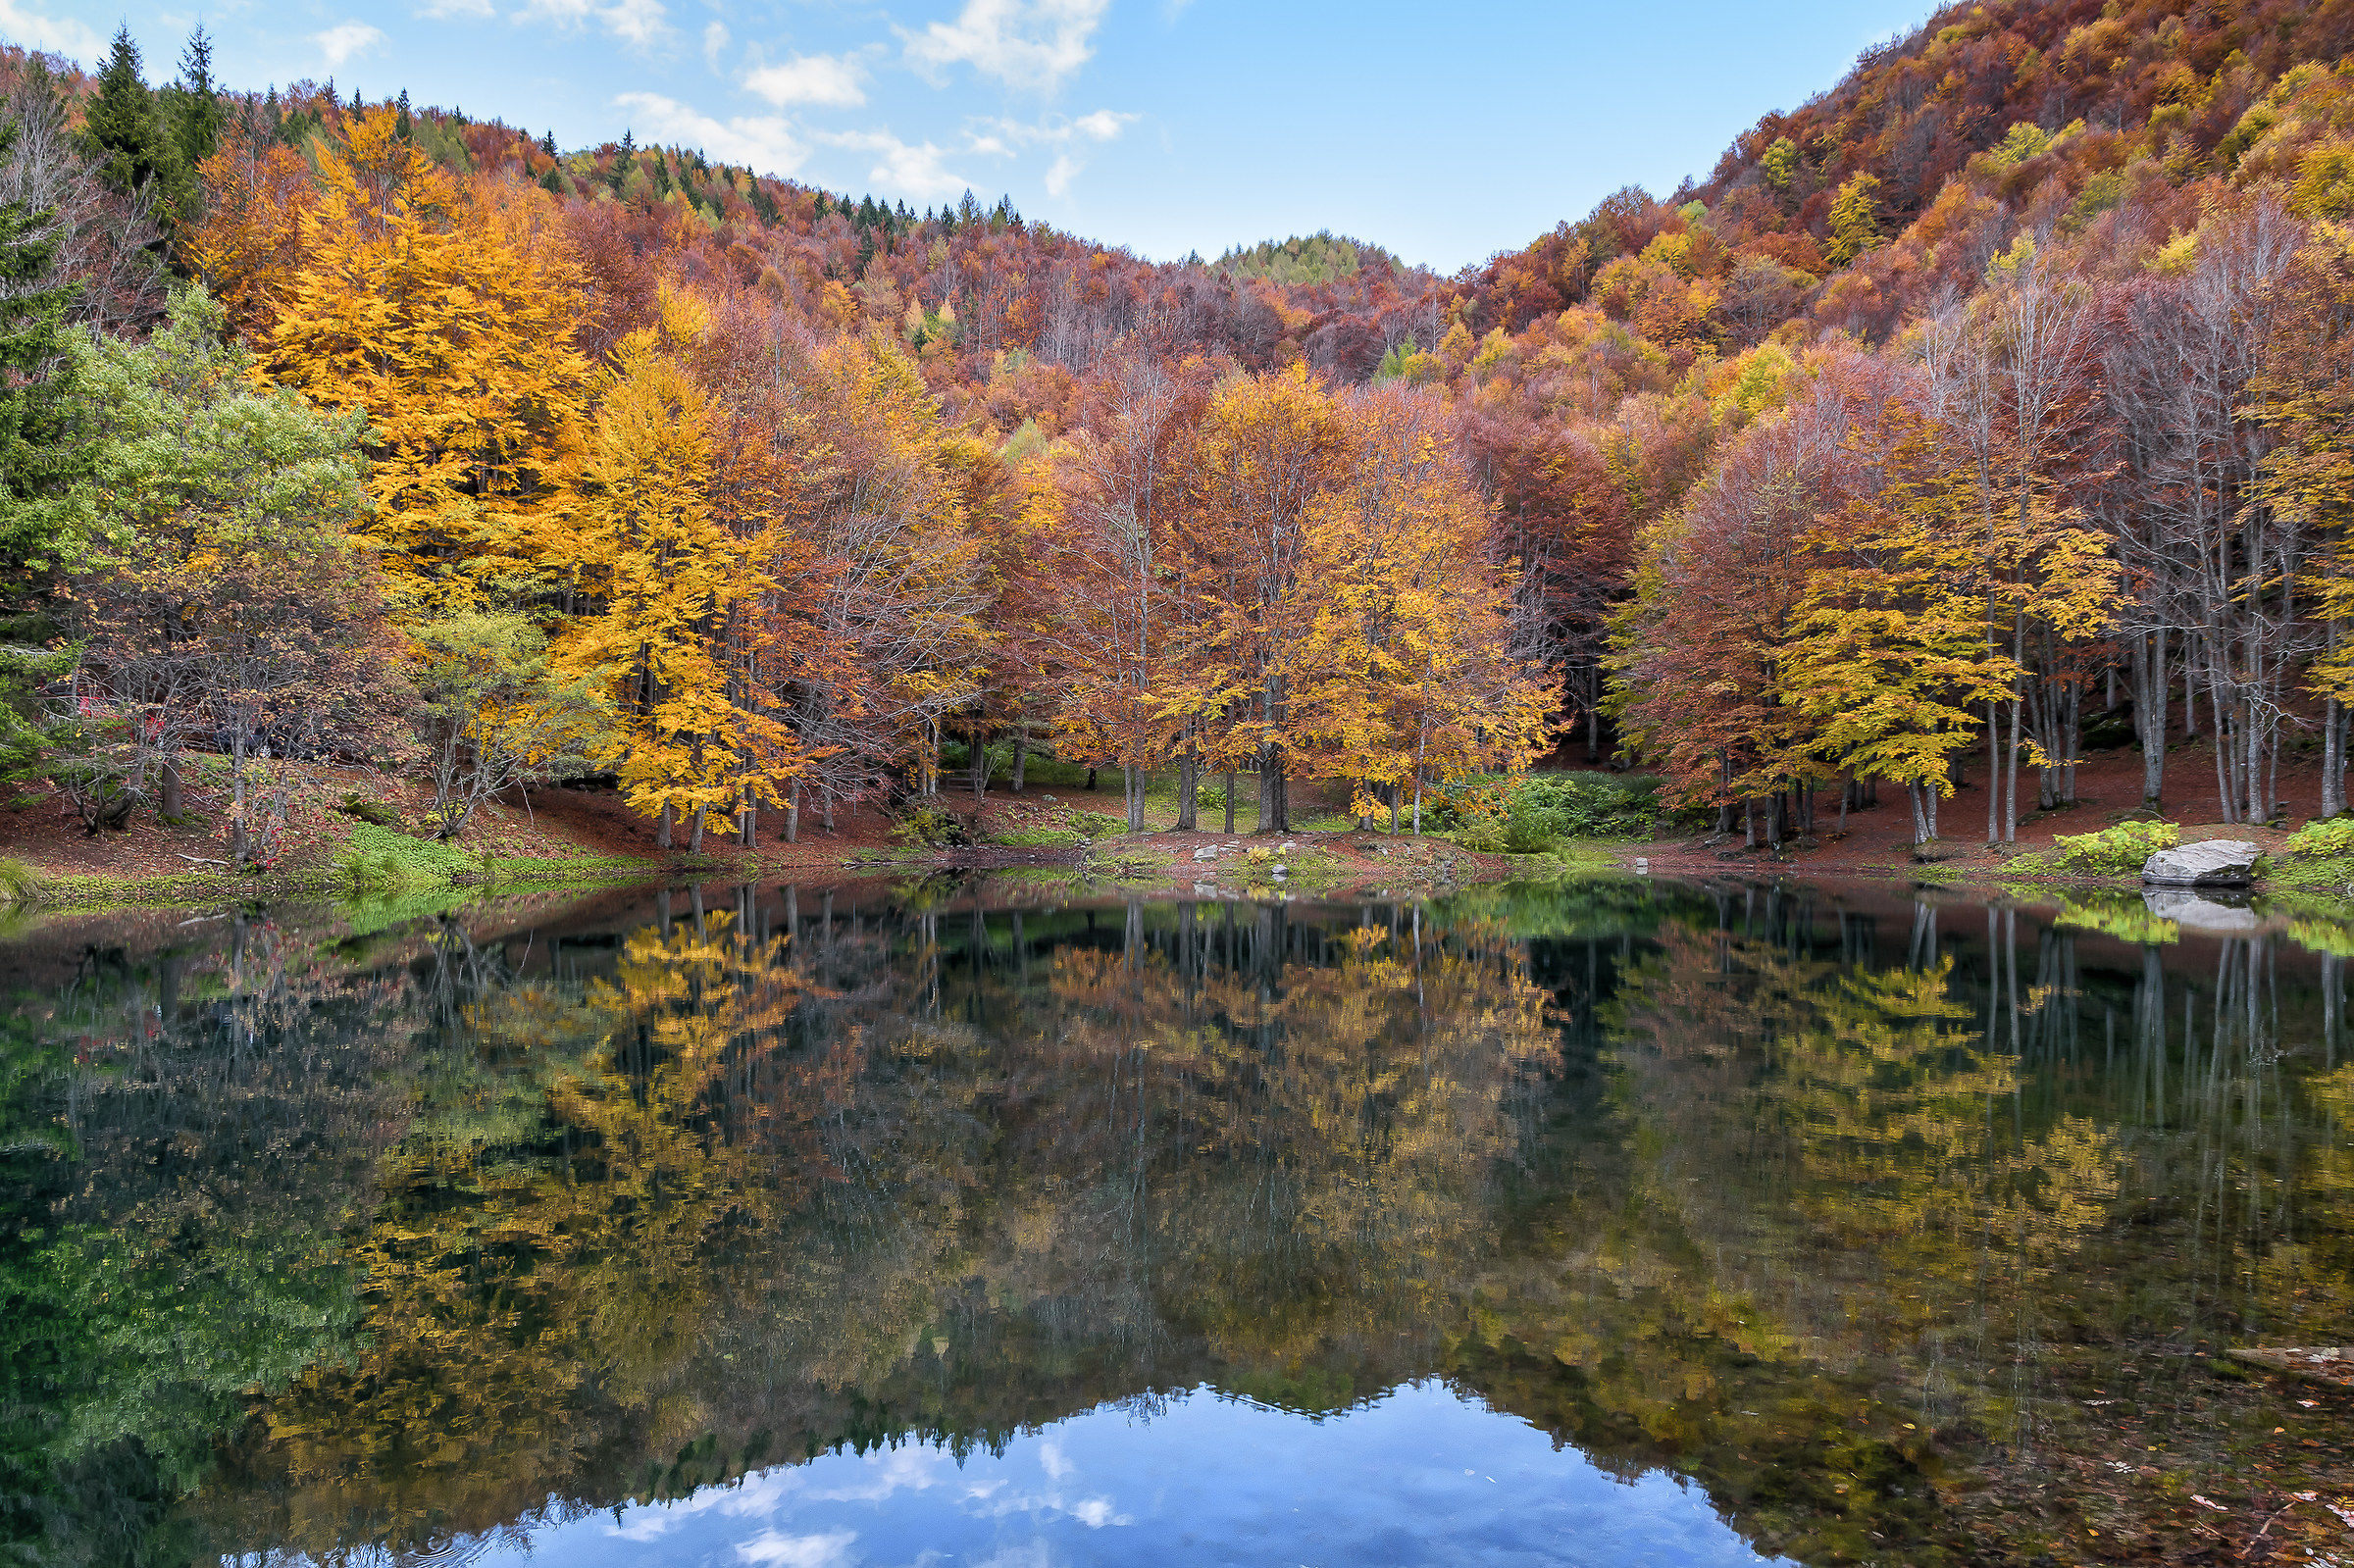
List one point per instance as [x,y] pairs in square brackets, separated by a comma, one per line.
[1602,1222]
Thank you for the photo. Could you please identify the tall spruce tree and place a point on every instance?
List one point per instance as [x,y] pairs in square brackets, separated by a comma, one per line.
[122,131]
[35,459]
[197,116]
[36,465]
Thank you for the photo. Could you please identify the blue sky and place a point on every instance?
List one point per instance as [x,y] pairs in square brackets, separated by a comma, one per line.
[1445,133]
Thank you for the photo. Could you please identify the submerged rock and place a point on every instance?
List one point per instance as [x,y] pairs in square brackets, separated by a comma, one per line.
[2194,913]
[2215,863]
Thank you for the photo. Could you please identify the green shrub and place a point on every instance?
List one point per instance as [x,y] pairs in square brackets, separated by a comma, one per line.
[1537,812]
[379,857]
[1037,837]
[2120,848]
[2323,836]
[1095,824]
[932,828]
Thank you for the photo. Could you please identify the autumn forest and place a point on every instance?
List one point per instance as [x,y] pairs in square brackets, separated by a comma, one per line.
[2001,393]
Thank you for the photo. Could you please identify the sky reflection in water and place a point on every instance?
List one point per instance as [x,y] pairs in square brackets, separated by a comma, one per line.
[1418,1476]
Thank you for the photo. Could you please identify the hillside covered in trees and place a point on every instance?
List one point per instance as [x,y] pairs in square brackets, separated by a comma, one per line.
[2003,390]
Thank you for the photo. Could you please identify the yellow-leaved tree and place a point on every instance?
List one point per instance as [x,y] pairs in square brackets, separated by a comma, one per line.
[444,313]
[1406,670]
[670,589]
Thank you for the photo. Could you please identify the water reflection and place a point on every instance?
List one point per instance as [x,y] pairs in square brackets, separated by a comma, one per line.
[1842,1227]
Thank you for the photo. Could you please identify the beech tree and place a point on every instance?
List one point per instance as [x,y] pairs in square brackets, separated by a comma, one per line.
[444,316]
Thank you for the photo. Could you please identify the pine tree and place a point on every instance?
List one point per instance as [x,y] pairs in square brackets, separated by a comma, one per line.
[404,127]
[547,143]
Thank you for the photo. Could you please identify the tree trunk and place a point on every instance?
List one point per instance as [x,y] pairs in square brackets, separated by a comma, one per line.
[1994,773]
[1272,816]
[174,788]
[2011,780]
[1230,802]
[977,765]
[792,816]
[2151,695]
[662,829]
[1189,780]
[2333,761]
[1021,753]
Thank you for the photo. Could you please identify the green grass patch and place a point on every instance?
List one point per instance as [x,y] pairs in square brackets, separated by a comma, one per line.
[20,884]
[1037,837]
[566,868]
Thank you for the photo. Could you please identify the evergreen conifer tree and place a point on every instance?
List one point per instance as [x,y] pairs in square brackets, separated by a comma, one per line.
[35,461]
[121,130]
[199,117]
[36,464]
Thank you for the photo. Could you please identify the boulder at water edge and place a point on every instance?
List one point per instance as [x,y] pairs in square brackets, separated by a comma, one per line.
[2216,863]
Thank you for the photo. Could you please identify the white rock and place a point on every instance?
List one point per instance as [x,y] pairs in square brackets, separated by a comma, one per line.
[2215,863]
[1286,847]
[2190,911]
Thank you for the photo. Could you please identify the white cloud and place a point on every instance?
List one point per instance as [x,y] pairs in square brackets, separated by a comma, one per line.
[1023,43]
[1101,126]
[715,43]
[911,168]
[61,35]
[830,81]
[637,22]
[345,39]
[764,142]
[447,10]
[1058,184]
[773,1551]
[1002,137]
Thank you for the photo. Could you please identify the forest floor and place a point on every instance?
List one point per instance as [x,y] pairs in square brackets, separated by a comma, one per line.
[1877,842]
[1057,834]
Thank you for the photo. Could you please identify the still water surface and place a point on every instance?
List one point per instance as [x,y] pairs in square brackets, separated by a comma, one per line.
[1615,1223]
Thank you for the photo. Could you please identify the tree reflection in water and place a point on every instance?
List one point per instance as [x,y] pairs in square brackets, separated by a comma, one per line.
[1907,1229]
